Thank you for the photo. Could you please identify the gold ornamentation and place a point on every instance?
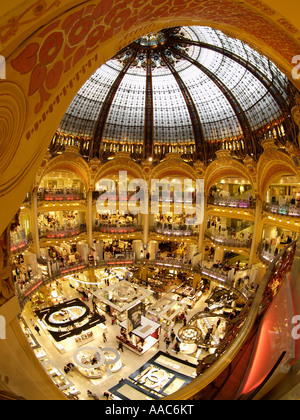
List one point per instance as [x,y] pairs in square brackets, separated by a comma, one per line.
[7,289]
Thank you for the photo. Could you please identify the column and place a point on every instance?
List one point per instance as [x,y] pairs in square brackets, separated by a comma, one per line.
[257,234]
[137,247]
[153,249]
[196,280]
[202,229]
[34,223]
[89,218]
[145,229]
[219,254]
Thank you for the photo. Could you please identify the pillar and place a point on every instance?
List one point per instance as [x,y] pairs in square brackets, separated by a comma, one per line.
[257,233]
[89,218]
[146,220]
[219,254]
[202,229]
[137,247]
[144,273]
[34,223]
[196,280]
[99,251]
[153,249]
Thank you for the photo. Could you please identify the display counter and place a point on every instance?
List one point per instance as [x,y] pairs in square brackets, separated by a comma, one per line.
[166,311]
[118,298]
[60,379]
[95,363]
[190,336]
[68,319]
[187,295]
[142,338]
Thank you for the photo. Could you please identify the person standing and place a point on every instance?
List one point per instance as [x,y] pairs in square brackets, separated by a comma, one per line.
[37,329]
[168,342]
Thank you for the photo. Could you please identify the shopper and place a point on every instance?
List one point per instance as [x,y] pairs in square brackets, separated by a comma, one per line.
[104,337]
[37,329]
[120,347]
[168,342]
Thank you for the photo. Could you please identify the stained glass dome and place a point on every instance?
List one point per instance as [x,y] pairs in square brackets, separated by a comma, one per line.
[187,86]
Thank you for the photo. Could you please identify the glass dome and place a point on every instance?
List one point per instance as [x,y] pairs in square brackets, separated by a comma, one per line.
[189,86]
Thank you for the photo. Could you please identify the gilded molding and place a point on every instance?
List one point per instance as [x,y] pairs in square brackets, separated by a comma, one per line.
[12,120]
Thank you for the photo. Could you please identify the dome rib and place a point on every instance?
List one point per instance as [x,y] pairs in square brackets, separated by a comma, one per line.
[262,78]
[195,120]
[98,134]
[234,103]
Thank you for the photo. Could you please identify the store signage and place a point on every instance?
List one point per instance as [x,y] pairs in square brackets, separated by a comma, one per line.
[134,317]
[2,328]
[156,376]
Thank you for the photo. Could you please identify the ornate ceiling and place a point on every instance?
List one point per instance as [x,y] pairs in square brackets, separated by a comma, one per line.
[188,85]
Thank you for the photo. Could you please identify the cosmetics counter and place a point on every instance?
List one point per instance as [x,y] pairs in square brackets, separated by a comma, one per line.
[161,376]
[142,338]
[95,363]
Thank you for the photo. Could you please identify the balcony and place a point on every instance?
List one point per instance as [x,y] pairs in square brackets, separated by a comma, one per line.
[62,233]
[231,202]
[60,195]
[19,241]
[174,229]
[291,210]
[228,242]
[116,228]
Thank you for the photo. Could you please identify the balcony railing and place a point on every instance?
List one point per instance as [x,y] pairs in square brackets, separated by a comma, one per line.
[62,233]
[286,210]
[60,195]
[230,242]
[174,229]
[126,258]
[20,241]
[116,228]
[232,202]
